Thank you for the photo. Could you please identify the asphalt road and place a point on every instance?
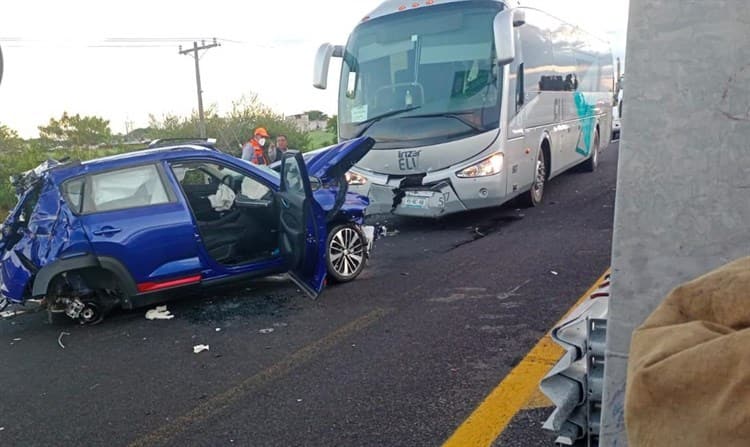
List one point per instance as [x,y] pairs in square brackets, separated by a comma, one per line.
[399,357]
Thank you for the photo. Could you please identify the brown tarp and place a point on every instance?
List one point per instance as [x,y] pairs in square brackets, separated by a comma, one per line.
[689,368]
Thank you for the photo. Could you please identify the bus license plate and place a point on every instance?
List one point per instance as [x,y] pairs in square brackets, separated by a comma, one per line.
[419,200]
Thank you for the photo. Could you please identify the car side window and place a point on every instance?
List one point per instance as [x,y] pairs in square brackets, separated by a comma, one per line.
[124,188]
[72,191]
[201,178]
[293,177]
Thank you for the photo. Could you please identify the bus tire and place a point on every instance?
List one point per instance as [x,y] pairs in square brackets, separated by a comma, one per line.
[534,196]
[593,161]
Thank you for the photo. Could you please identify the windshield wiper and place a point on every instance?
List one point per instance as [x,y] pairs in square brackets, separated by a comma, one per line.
[369,122]
[454,116]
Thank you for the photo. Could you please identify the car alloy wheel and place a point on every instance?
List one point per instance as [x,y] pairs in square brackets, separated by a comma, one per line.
[347,253]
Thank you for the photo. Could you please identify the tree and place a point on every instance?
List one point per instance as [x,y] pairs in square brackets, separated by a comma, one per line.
[9,139]
[315,115]
[332,125]
[231,129]
[76,131]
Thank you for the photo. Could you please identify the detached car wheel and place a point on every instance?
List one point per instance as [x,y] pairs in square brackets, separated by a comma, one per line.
[346,252]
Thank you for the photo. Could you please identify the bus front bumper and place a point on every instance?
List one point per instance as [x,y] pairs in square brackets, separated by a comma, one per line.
[429,201]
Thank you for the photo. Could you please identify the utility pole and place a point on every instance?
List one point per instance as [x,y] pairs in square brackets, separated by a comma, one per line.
[195,50]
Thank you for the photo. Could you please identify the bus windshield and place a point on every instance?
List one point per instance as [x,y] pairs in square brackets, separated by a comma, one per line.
[436,61]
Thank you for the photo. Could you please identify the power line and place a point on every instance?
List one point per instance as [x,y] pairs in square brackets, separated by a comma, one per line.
[109,42]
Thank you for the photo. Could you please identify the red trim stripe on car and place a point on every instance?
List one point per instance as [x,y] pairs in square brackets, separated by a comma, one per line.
[152,286]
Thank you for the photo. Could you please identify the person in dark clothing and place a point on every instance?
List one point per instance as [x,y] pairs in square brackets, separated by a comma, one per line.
[275,154]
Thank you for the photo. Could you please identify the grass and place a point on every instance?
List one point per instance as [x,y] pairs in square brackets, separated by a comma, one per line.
[321,138]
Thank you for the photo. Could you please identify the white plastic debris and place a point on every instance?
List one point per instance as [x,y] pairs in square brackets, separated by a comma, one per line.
[12,313]
[59,339]
[267,330]
[2,428]
[160,313]
[16,339]
[197,349]
[554,272]
[218,329]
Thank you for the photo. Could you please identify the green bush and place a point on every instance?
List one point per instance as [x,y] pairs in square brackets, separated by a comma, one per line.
[232,129]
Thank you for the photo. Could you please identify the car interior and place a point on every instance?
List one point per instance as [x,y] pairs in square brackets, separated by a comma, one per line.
[236,214]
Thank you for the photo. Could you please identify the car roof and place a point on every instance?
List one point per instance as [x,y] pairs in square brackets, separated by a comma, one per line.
[123,160]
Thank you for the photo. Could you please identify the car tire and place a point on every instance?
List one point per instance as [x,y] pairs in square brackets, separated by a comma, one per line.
[534,196]
[591,164]
[346,252]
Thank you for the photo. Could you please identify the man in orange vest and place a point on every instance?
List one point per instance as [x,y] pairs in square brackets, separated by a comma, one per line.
[253,150]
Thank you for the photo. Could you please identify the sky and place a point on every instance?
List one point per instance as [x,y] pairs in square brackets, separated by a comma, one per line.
[120,59]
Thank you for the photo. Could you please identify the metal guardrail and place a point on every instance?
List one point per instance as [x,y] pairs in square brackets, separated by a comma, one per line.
[574,384]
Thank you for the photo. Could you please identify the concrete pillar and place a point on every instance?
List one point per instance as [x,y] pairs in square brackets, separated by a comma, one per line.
[683,191]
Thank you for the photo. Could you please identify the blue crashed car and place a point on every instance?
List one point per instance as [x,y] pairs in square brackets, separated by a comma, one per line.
[129,230]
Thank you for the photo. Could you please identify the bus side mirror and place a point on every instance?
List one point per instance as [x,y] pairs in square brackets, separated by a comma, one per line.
[505,37]
[322,61]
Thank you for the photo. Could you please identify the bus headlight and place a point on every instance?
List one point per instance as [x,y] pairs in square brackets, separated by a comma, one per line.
[488,166]
[354,179]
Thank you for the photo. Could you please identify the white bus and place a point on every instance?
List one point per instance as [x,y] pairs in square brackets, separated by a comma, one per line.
[471,103]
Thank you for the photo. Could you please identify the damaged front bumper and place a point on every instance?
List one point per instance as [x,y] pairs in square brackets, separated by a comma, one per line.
[420,201]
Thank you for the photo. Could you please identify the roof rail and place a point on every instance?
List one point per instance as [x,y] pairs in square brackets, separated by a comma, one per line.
[163,142]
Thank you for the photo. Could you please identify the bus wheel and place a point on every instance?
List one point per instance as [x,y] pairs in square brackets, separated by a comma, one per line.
[593,161]
[535,195]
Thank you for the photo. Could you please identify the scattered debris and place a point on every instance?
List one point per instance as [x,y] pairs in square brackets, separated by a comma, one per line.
[218,329]
[554,272]
[17,339]
[267,330]
[280,325]
[513,292]
[93,386]
[59,339]
[299,400]
[12,313]
[160,313]
[197,349]
[404,274]
[2,428]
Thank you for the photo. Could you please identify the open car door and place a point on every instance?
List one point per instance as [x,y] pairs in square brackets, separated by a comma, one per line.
[302,226]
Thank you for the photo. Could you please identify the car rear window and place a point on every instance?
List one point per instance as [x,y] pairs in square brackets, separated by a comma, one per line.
[121,189]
